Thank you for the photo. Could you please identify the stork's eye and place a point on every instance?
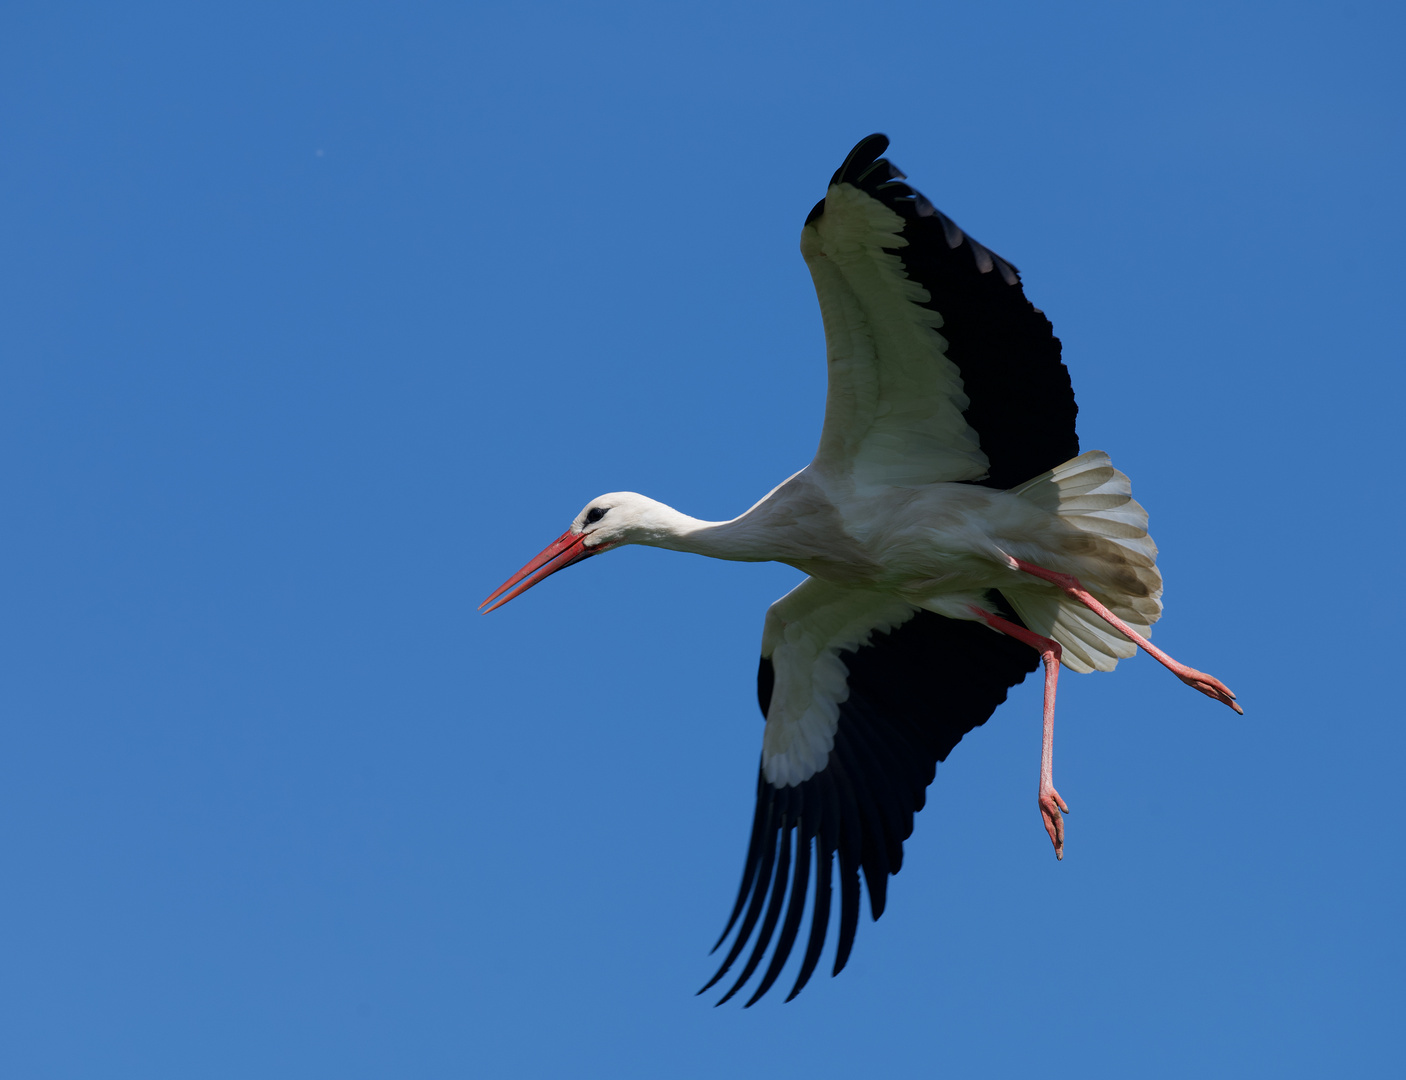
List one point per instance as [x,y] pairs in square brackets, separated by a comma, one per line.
[595,513]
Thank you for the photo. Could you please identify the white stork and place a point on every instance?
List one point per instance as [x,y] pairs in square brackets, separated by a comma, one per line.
[948,499]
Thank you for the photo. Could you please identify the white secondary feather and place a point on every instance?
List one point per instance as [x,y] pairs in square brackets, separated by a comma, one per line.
[806,630]
[893,413]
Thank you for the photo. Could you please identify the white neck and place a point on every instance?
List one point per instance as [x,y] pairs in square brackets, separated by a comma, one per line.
[743,539]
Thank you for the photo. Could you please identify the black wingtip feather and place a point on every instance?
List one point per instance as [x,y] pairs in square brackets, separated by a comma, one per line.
[795,908]
[865,154]
[761,821]
[776,811]
[773,913]
[849,909]
[862,163]
[819,917]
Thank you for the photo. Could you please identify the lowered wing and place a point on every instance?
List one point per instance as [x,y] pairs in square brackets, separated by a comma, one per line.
[863,696]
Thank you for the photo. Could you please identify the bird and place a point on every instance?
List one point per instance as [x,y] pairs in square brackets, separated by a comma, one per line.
[953,537]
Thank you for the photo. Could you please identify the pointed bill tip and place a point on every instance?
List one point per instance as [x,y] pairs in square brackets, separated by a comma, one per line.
[570,547]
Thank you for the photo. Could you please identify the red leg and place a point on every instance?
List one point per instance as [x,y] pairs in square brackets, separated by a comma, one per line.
[1051,805]
[1207,684]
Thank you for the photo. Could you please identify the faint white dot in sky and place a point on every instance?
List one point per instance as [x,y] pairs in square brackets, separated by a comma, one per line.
[319,153]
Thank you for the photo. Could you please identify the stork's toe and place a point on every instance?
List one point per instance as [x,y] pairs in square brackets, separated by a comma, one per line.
[1052,809]
[1211,687]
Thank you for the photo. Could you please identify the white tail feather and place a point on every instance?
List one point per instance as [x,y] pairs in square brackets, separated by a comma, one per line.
[1090,495]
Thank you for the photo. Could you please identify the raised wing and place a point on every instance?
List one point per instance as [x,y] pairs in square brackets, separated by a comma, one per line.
[863,696]
[940,368]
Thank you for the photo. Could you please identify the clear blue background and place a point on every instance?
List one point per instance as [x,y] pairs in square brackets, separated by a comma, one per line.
[319,320]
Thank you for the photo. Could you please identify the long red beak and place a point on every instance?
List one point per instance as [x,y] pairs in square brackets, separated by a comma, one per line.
[566,549]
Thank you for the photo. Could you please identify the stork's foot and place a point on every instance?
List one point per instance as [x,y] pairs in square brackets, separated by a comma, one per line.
[1208,685]
[1052,807]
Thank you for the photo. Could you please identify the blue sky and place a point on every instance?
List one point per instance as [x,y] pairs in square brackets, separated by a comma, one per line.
[319,320]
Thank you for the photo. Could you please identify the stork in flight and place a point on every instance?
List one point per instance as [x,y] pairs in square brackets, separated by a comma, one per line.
[948,499]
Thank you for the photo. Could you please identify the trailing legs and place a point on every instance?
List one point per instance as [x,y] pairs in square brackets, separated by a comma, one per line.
[1051,805]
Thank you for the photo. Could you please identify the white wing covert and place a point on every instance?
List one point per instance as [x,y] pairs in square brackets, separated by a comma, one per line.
[893,412]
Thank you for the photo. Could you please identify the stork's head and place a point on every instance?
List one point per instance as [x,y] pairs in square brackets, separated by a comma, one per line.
[622,517]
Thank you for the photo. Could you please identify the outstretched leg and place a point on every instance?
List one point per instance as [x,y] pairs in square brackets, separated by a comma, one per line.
[1207,684]
[1051,805]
